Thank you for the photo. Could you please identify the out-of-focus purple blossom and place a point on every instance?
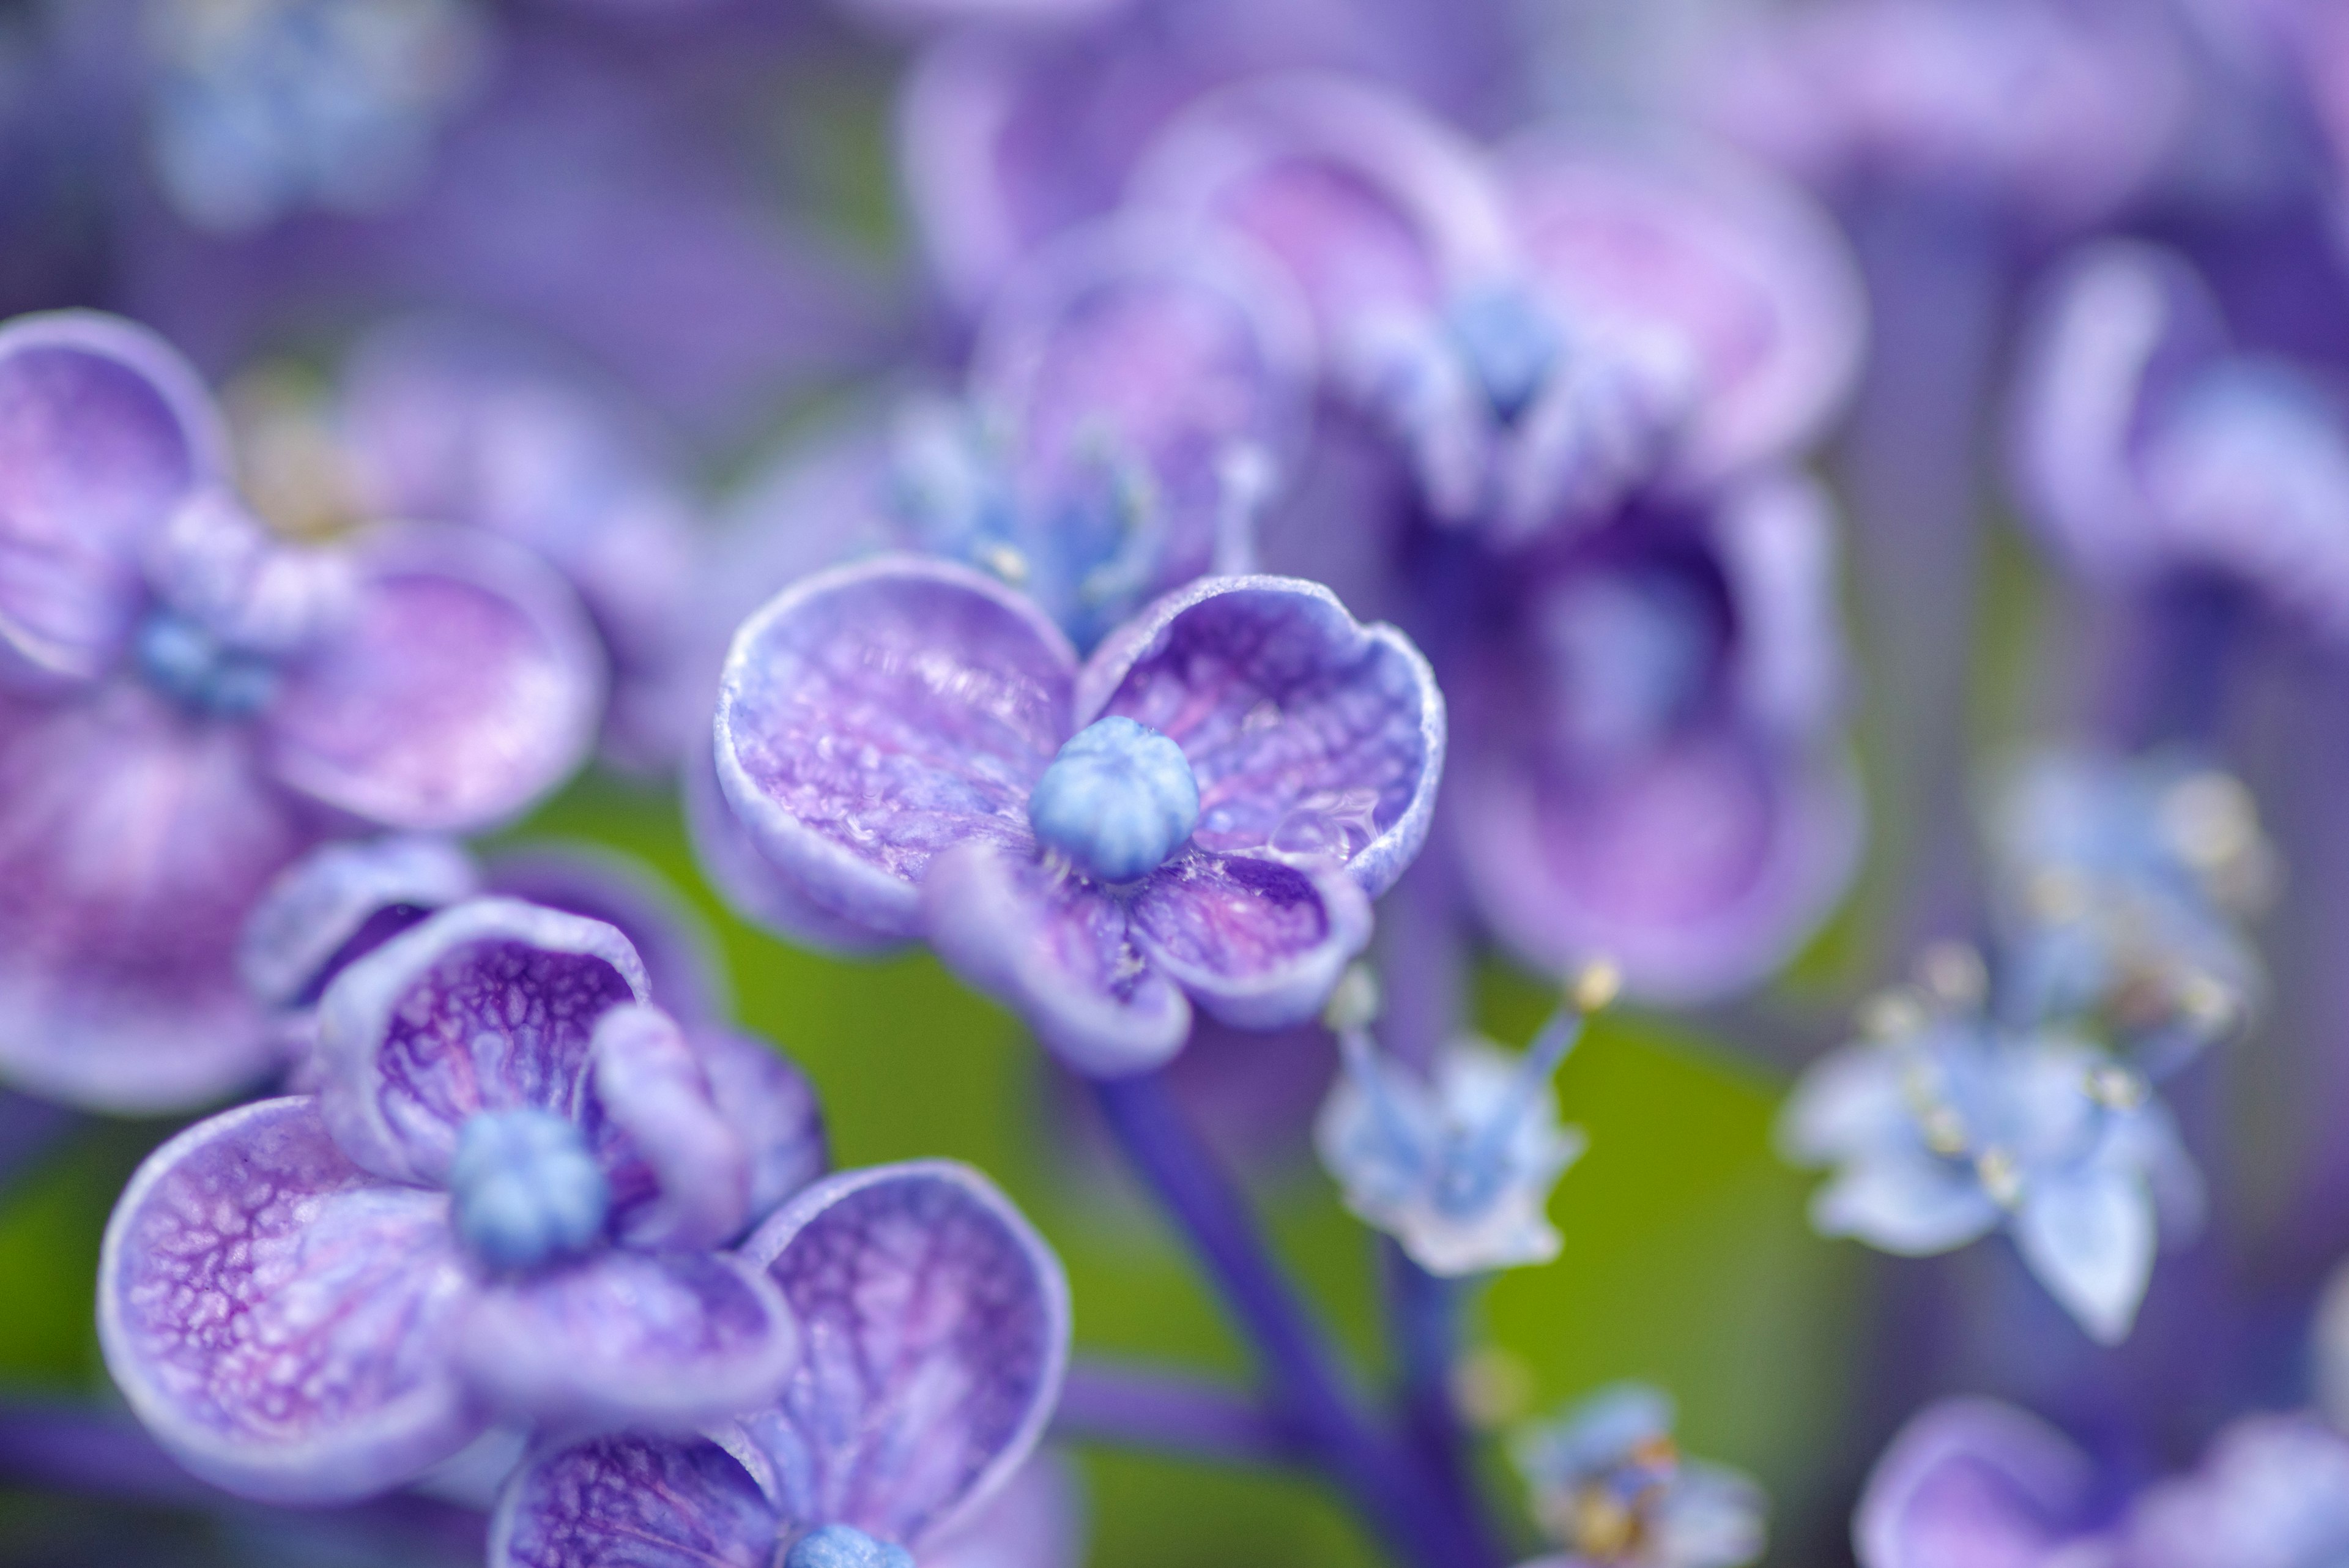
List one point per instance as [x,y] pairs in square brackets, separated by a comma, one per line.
[909,748]
[1458,1164]
[2273,1492]
[1611,1486]
[2123,884]
[187,703]
[1650,764]
[1971,1483]
[2147,447]
[1008,136]
[1134,401]
[260,108]
[2055,111]
[497,1207]
[935,1323]
[1545,331]
[1946,1124]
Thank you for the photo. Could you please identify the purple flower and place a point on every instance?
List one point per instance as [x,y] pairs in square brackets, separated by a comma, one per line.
[186,704]
[1205,806]
[497,1207]
[2147,447]
[1611,1486]
[1544,331]
[1970,1483]
[1133,402]
[1651,762]
[2273,1492]
[936,1323]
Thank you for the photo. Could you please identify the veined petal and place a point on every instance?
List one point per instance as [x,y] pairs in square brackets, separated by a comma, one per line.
[626,1503]
[342,901]
[680,1176]
[1310,733]
[936,1326]
[132,842]
[1259,942]
[645,1341]
[489,1005]
[466,683]
[751,884]
[876,714]
[2089,1236]
[1976,1482]
[104,430]
[679,949]
[771,1107]
[281,1321]
[1059,952]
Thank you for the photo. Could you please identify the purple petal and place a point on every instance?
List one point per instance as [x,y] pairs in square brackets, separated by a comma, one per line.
[680,1176]
[1037,1520]
[281,1321]
[1698,867]
[1310,733]
[1059,952]
[342,901]
[748,881]
[132,841]
[1976,1483]
[467,683]
[488,1006]
[1678,242]
[772,1109]
[622,1502]
[104,429]
[936,1324]
[876,714]
[1258,941]
[649,1341]
[1375,207]
[679,949]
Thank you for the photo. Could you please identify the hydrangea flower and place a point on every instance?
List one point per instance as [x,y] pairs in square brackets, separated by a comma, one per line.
[1456,1164]
[186,704]
[936,1326]
[1545,331]
[1652,762]
[1946,1124]
[2123,882]
[1203,808]
[1611,1486]
[498,1207]
[1133,401]
[260,108]
[2147,447]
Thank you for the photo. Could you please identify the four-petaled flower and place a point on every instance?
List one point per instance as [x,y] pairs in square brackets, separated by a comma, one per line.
[1204,808]
[501,1205]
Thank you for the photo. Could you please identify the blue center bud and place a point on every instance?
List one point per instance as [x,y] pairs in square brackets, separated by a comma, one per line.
[526,1190]
[1117,801]
[1509,343]
[839,1546]
[187,662]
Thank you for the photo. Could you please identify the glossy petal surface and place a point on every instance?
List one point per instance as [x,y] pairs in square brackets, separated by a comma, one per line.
[873,716]
[341,901]
[936,1327]
[278,1318]
[624,1502]
[1258,941]
[486,1006]
[1309,732]
[680,1176]
[466,683]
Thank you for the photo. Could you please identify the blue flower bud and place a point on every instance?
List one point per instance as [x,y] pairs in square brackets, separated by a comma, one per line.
[1118,799]
[187,662]
[526,1189]
[1509,343]
[839,1546]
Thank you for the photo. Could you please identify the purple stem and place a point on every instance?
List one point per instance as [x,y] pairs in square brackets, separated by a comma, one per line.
[1304,1378]
[1425,1324]
[1141,1408]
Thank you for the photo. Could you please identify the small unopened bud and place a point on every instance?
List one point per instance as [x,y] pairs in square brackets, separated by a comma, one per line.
[1595,986]
[1354,1001]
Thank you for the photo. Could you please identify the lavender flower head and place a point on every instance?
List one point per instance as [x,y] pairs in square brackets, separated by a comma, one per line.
[187,703]
[1543,332]
[2147,447]
[936,1323]
[500,1206]
[1457,1164]
[1201,809]
[1945,1123]
[1611,1486]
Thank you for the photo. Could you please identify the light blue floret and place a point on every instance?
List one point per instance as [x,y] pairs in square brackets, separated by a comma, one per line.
[839,1546]
[526,1190]
[1118,801]
[188,663]
[1509,342]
